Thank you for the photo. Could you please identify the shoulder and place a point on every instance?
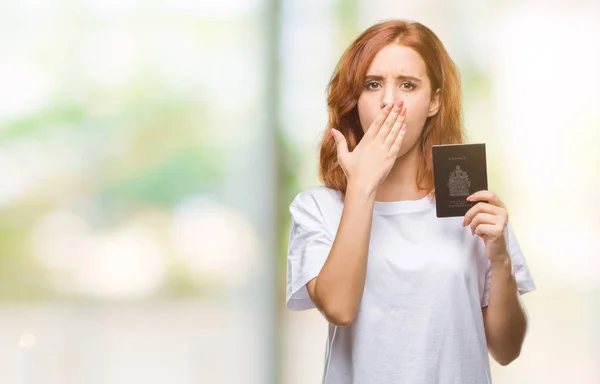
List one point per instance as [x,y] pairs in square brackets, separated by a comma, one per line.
[317,205]
[315,197]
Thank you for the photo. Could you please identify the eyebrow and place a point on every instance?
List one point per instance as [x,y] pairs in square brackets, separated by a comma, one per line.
[399,77]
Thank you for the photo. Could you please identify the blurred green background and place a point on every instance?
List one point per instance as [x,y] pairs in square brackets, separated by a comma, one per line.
[149,151]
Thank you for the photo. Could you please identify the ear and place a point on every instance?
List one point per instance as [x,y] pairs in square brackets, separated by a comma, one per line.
[434,104]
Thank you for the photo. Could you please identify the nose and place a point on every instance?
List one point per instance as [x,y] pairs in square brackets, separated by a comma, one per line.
[390,96]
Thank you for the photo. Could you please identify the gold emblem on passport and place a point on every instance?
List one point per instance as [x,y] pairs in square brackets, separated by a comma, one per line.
[459,183]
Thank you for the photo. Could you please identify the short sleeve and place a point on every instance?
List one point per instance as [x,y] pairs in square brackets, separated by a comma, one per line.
[308,247]
[519,267]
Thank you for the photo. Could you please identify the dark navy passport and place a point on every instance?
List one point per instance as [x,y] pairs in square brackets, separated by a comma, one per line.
[459,170]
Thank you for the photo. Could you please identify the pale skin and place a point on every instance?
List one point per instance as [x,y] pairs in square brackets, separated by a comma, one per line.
[395,103]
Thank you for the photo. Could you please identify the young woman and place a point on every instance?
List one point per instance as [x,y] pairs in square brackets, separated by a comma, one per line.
[409,297]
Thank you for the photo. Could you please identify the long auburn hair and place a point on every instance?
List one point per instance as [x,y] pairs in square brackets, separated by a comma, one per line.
[346,85]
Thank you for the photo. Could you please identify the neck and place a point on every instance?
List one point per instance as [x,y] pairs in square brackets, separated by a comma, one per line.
[401,182]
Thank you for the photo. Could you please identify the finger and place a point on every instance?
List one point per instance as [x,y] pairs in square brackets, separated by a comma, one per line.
[483,208]
[389,122]
[379,120]
[484,218]
[399,139]
[340,142]
[488,196]
[391,137]
[489,230]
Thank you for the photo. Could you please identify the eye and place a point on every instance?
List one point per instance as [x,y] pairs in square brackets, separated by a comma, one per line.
[408,85]
[372,85]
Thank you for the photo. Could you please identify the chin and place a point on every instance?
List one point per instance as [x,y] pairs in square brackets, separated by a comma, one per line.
[407,151]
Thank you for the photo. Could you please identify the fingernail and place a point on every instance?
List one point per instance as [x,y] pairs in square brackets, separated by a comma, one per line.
[400,103]
[403,127]
[403,112]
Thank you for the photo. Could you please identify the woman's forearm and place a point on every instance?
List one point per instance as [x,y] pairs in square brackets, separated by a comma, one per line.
[338,289]
[504,318]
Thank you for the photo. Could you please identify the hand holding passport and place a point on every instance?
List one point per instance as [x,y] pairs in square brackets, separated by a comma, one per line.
[459,170]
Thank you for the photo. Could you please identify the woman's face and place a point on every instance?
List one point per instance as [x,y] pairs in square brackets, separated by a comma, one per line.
[398,73]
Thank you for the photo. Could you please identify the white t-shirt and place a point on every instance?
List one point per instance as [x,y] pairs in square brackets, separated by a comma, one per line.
[420,318]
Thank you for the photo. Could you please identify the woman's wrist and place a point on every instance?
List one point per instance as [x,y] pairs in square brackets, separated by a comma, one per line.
[362,191]
[502,263]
